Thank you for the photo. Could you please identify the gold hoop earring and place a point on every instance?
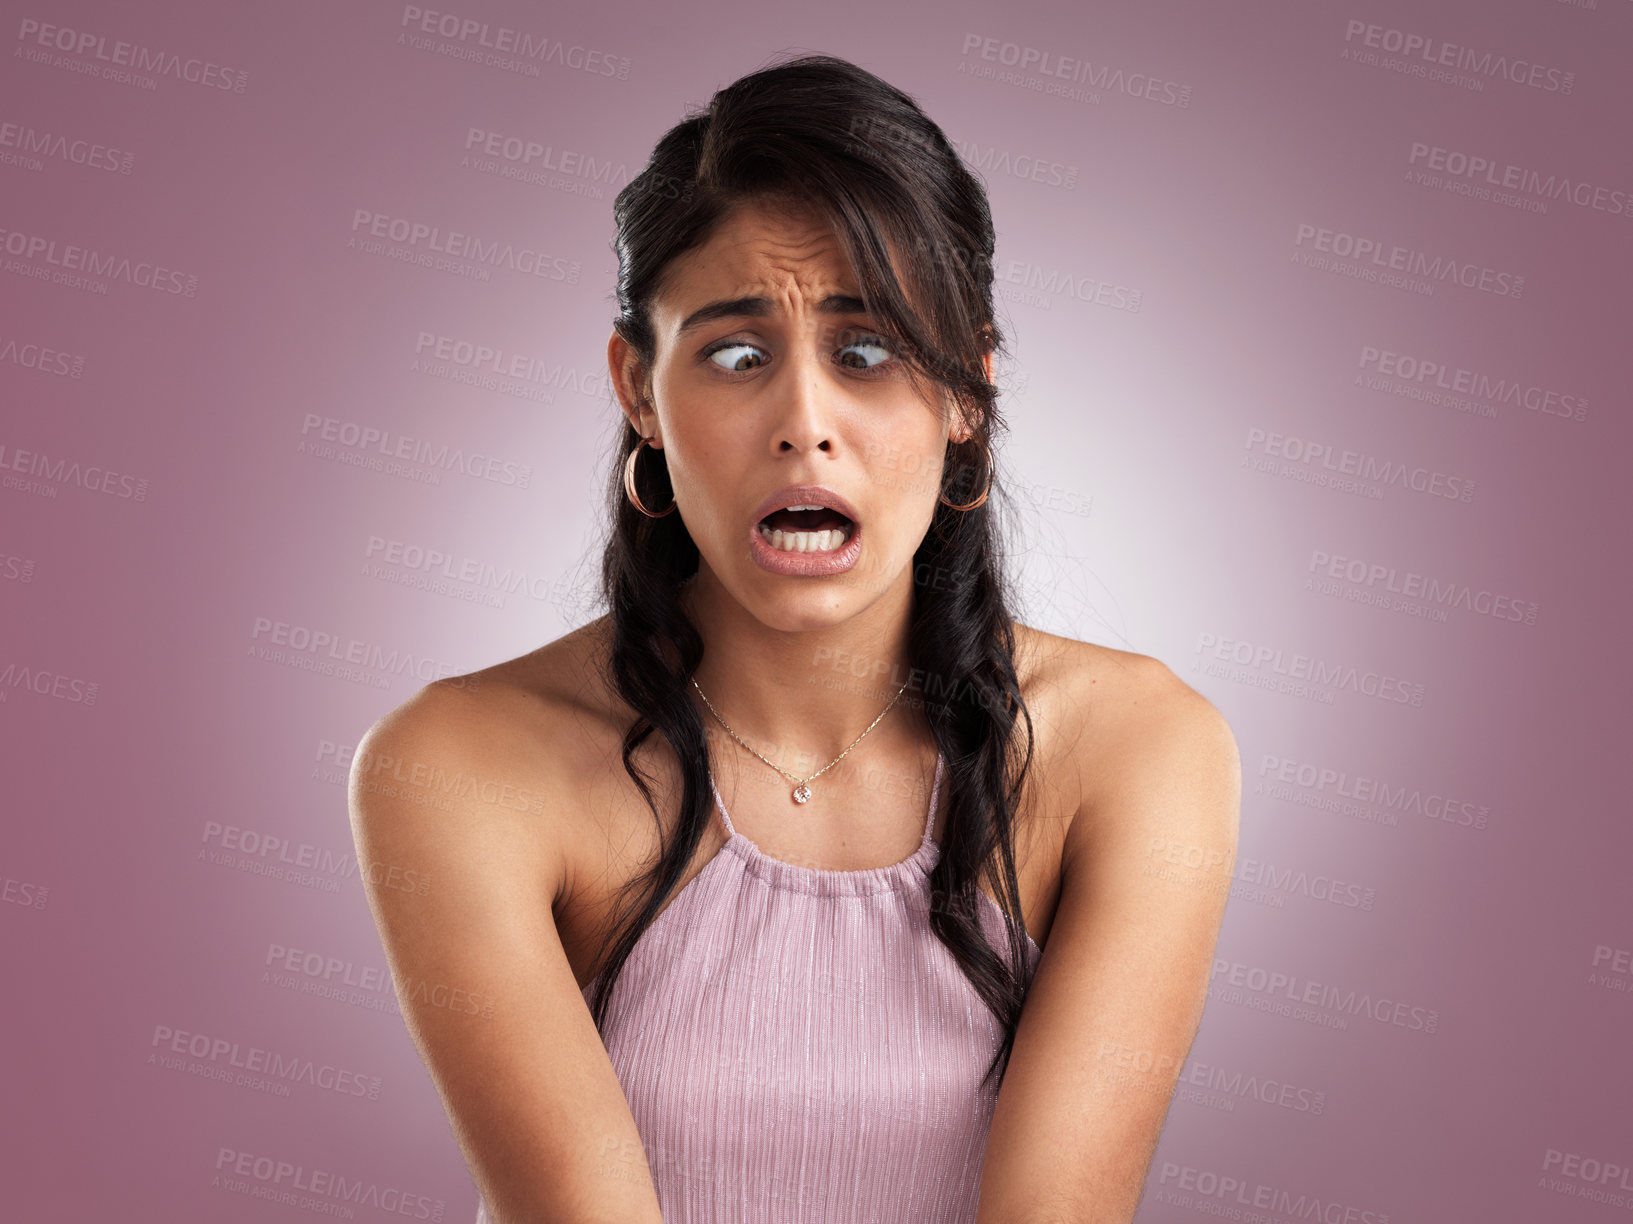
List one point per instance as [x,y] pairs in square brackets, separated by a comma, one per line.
[943,500]
[629,483]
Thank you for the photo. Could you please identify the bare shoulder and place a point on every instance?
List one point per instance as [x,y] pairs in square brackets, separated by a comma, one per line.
[1118,995]
[1120,683]
[461,810]
[1131,727]
[493,757]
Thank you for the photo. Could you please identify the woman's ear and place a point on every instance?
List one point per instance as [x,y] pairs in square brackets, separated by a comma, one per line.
[961,432]
[630,385]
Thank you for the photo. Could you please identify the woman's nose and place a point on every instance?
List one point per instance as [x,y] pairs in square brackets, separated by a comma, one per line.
[806,403]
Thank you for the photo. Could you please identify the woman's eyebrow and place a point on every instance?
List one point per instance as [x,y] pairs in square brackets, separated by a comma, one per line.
[759,307]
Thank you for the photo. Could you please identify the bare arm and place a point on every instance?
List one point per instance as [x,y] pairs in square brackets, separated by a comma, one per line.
[461,874]
[1118,996]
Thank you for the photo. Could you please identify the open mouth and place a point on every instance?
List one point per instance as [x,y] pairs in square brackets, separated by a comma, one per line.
[806,528]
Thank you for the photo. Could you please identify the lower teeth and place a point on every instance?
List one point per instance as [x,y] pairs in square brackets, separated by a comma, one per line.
[804,541]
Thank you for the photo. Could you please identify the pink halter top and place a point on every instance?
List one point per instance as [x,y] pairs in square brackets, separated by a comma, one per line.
[796,1045]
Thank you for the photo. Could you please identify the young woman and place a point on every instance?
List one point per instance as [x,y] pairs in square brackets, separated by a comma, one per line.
[805,884]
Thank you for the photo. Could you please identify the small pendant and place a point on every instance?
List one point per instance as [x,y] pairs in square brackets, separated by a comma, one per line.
[802,792]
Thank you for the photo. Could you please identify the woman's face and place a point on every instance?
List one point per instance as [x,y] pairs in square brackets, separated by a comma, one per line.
[789,388]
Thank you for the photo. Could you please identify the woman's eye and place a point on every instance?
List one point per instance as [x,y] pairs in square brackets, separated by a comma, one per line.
[869,344]
[738,356]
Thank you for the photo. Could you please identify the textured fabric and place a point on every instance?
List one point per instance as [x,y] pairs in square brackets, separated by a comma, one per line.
[796,1045]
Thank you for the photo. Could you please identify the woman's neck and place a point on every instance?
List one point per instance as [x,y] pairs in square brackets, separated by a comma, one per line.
[805,691]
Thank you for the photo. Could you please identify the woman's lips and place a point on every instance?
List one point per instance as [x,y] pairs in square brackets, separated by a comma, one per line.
[804,495]
[807,518]
[812,563]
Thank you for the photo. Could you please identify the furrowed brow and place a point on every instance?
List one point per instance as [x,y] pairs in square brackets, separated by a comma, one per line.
[839,303]
[728,308]
[759,307]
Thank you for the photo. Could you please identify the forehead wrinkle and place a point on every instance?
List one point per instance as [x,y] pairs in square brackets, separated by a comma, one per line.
[797,292]
[779,270]
[786,241]
[792,258]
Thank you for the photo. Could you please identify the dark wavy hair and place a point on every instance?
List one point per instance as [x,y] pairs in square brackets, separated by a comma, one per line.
[818,132]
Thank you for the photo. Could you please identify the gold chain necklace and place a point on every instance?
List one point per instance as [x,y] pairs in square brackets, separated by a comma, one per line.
[802,789]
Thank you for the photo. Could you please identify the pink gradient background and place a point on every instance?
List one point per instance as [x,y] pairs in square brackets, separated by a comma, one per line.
[1147,528]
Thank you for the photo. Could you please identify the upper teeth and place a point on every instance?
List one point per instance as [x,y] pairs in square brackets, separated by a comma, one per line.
[805,507]
[804,541]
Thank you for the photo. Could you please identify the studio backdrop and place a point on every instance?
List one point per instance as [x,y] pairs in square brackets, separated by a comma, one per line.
[1316,390]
